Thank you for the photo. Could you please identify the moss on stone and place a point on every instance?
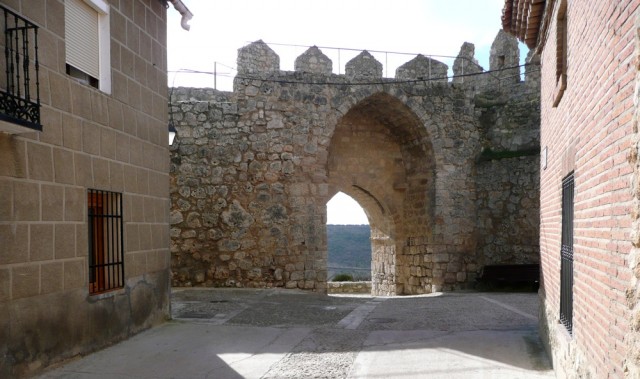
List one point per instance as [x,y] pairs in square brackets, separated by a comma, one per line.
[489,155]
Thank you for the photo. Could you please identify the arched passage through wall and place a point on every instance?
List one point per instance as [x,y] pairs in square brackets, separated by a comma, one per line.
[348,239]
[381,156]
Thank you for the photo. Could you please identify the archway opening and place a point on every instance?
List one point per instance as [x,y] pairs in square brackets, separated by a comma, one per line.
[380,154]
[348,240]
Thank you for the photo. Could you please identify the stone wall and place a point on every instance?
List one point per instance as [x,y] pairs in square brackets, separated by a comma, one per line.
[349,287]
[90,139]
[252,171]
[508,208]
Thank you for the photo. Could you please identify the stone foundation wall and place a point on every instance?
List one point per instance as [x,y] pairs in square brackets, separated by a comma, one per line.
[508,216]
[349,287]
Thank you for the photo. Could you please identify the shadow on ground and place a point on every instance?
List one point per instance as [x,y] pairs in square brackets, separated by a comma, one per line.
[241,333]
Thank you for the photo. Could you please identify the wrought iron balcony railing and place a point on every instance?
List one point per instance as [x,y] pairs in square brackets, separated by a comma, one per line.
[20,89]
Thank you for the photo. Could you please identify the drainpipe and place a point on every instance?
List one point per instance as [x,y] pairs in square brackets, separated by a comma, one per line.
[184,11]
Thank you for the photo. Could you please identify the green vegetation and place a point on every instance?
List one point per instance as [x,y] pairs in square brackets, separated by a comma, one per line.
[349,251]
[487,154]
[343,278]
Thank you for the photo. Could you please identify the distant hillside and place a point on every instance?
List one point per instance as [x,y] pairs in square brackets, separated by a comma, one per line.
[349,246]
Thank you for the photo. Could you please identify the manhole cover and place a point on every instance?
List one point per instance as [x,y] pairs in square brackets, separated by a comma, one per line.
[381,320]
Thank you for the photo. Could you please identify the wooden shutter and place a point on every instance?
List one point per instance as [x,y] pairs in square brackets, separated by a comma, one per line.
[81,34]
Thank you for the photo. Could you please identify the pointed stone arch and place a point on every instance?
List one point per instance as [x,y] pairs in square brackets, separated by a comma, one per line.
[380,154]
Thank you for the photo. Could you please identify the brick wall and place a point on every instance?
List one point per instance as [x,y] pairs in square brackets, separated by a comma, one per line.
[590,132]
[90,139]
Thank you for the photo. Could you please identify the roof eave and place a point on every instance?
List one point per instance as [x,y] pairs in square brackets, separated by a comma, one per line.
[524,19]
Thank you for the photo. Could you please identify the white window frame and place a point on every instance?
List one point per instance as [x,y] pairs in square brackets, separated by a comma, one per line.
[104,43]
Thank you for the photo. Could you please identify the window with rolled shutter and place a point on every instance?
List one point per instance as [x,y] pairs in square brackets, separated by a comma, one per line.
[82,37]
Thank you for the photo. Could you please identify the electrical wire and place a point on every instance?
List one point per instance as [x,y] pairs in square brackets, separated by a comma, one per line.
[386,81]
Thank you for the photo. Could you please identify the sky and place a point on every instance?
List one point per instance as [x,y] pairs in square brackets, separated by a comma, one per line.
[219,28]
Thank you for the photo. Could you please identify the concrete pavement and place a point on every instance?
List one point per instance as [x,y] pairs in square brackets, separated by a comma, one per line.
[242,333]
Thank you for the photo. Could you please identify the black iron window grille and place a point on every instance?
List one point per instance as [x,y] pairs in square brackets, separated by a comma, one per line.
[106,242]
[21,72]
[566,262]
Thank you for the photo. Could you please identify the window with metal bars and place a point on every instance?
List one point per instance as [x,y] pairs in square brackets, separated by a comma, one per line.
[566,253]
[106,242]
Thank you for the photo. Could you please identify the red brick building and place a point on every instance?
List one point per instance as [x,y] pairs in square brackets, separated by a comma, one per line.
[589,190]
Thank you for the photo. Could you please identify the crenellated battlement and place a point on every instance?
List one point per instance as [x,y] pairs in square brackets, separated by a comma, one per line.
[258,60]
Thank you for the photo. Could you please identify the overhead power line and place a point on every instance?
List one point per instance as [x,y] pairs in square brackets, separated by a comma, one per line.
[376,82]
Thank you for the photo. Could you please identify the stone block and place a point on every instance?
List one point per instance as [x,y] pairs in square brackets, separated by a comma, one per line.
[100,169]
[116,120]
[297,275]
[142,182]
[257,58]
[363,67]
[130,179]
[60,91]
[422,67]
[133,92]
[41,242]
[314,61]
[74,204]
[454,266]
[40,160]
[99,107]
[14,239]
[65,241]
[25,281]
[52,203]
[119,90]
[440,258]
[72,132]
[116,176]
[131,237]
[51,277]
[91,138]
[26,201]
[48,53]
[108,143]
[35,12]
[5,284]
[63,166]
[74,274]
[145,237]
[291,284]
[51,121]
[6,200]
[83,170]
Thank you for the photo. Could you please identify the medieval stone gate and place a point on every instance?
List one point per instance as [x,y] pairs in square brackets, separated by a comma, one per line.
[446,171]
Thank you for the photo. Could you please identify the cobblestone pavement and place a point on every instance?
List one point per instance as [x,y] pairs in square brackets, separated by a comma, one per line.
[228,333]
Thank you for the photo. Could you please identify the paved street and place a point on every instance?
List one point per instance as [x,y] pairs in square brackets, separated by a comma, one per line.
[243,333]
